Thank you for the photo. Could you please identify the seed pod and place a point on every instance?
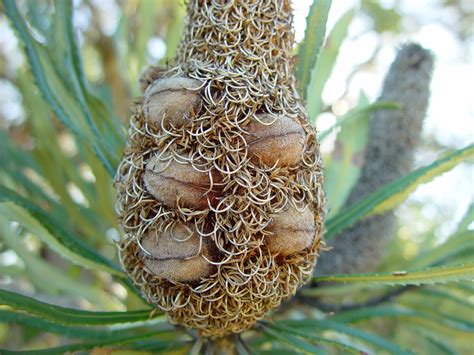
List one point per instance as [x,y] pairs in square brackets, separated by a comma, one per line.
[293,231]
[171,101]
[281,142]
[175,183]
[176,254]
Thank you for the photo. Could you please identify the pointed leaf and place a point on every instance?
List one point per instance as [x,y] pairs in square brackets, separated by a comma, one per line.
[429,276]
[69,316]
[414,316]
[321,325]
[314,38]
[325,64]
[395,192]
[295,342]
[457,243]
[344,167]
[311,336]
[54,234]
[116,340]
[85,332]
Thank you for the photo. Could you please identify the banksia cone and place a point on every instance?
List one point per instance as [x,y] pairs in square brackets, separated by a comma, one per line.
[220,187]
[393,138]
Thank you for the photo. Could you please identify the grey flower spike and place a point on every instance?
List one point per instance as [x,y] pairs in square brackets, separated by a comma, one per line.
[393,138]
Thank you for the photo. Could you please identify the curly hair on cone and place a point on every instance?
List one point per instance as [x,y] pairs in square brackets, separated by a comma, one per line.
[220,186]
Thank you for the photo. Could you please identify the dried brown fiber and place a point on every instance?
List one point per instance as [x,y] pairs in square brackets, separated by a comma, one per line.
[220,186]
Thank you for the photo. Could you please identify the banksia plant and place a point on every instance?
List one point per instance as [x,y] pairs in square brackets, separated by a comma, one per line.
[220,186]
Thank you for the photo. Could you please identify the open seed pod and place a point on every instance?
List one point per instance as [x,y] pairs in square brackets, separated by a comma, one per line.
[233,108]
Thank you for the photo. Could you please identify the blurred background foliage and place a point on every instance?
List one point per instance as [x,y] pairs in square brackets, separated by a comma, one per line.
[66,88]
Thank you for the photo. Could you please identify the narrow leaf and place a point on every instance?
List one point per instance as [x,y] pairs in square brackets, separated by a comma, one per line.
[69,316]
[292,340]
[429,276]
[116,340]
[55,235]
[453,246]
[325,64]
[49,278]
[415,316]
[314,38]
[395,192]
[85,332]
[358,113]
[346,162]
[321,325]
[311,336]
[57,92]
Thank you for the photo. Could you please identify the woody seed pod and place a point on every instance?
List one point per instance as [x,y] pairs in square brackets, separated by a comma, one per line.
[176,254]
[171,101]
[175,184]
[275,140]
[293,231]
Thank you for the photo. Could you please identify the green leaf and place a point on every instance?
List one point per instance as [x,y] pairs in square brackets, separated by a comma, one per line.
[66,56]
[304,333]
[346,162]
[358,113]
[314,38]
[69,316]
[15,162]
[325,64]
[343,170]
[51,279]
[62,56]
[445,297]
[86,332]
[321,325]
[116,340]
[345,166]
[173,35]
[48,154]
[295,342]
[429,276]
[438,346]
[467,219]
[460,242]
[432,300]
[395,192]
[63,94]
[54,234]
[414,316]
[42,68]
[385,19]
